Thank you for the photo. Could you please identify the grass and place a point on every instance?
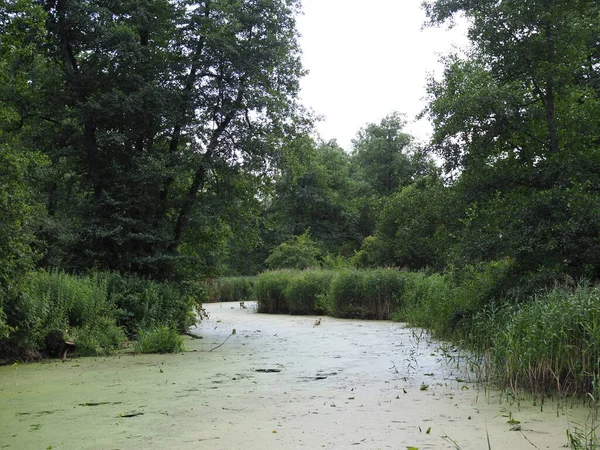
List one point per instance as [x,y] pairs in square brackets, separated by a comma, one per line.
[306,292]
[159,339]
[231,289]
[351,293]
[551,343]
[366,294]
[96,312]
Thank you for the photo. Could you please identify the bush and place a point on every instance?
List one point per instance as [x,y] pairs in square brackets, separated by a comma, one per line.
[54,303]
[366,294]
[102,337]
[429,301]
[306,293]
[231,289]
[269,291]
[300,252]
[159,339]
[143,302]
[446,304]
[94,311]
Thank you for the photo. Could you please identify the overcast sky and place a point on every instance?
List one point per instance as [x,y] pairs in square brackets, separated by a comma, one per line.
[367,59]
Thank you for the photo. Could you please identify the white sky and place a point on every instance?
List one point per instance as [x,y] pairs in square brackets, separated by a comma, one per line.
[367,59]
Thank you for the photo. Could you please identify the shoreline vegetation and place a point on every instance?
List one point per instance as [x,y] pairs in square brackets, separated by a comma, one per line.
[55,313]
[548,343]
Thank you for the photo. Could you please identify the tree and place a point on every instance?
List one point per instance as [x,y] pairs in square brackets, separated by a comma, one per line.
[412,229]
[516,123]
[529,85]
[314,190]
[142,109]
[381,155]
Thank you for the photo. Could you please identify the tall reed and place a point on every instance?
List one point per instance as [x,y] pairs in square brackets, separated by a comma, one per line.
[551,342]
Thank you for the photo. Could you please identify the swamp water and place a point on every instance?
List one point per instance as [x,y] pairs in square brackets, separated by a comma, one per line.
[279,382]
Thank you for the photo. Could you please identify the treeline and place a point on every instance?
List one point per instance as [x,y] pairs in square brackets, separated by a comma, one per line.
[512,172]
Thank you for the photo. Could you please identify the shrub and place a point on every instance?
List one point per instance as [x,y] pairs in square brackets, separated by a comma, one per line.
[307,291]
[269,291]
[102,337]
[95,311]
[142,302]
[366,294]
[159,339]
[429,302]
[59,304]
[446,304]
[300,252]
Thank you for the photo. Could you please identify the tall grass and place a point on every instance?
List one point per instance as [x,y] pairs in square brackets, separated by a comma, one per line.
[269,291]
[231,289]
[306,292]
[551,342]
[548,342]
[366,294]
[447,304]
[95,311]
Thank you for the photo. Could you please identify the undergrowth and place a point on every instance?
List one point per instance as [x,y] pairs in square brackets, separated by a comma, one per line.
[95,312]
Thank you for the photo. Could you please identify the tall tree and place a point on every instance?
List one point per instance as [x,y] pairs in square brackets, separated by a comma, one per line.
[142,105]
[516,123]
[381,155]
[312,192]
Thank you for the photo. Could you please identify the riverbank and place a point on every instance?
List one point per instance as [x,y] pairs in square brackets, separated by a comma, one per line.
[278,382]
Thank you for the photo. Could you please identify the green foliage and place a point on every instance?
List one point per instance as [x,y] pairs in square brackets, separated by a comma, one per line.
[159,339]
[142,302]
[300,252]
[516,123]
[55,302]
[315,190]
[381,155]
[269,291]
[306,292]
[427,302]
[551,342]
[231,289]
[149,113]
[100,337]
[330,262]
[20,214]
[94,311]
[447,304]
[412,228]
[366,294]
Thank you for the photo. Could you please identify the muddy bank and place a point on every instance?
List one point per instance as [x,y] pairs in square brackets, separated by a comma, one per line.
[278,382]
